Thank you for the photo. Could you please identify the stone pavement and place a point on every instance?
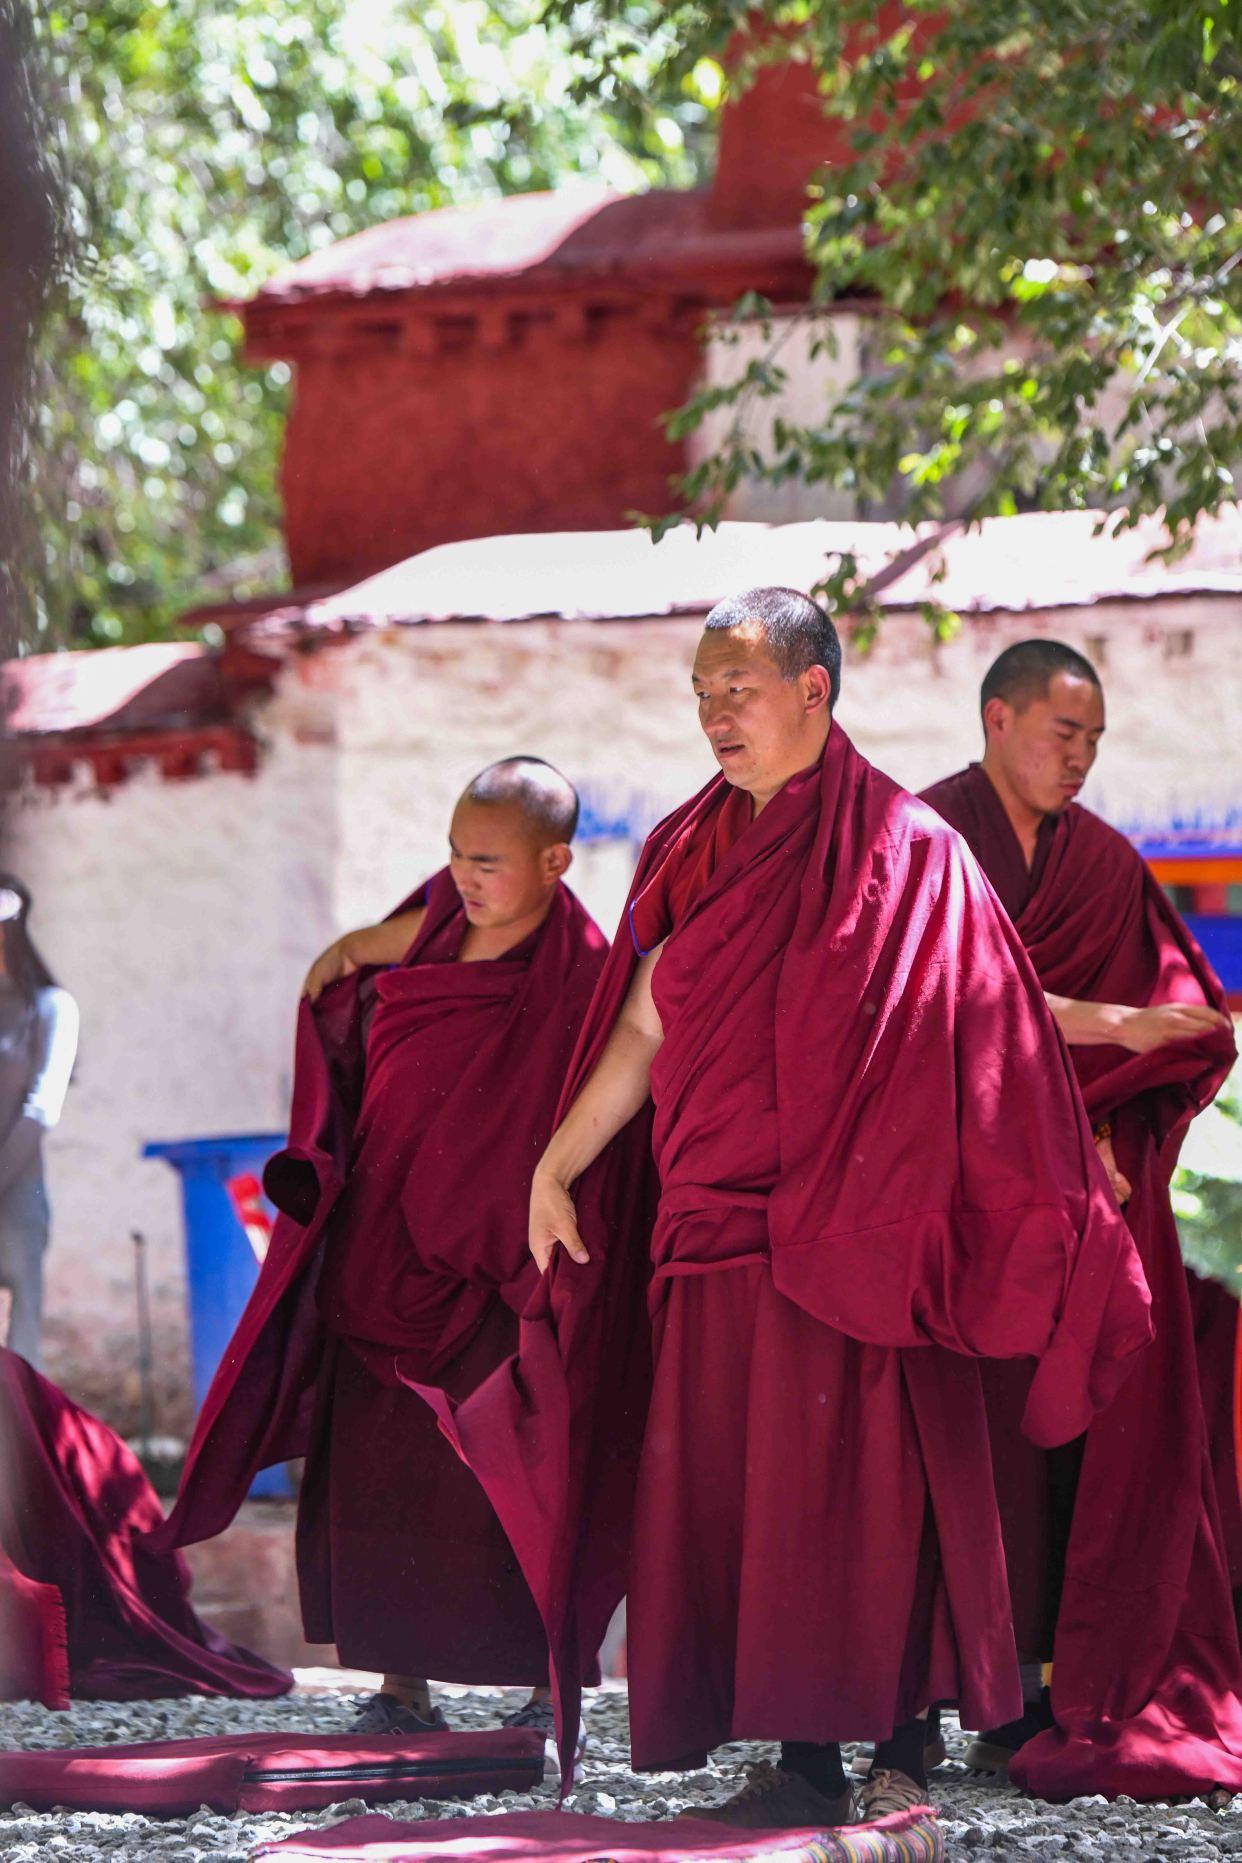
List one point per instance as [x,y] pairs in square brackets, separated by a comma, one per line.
[979,1817]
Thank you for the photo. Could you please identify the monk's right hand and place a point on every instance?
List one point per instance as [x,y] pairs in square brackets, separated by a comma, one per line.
[331,965]
[553,1222]
[1146,1029]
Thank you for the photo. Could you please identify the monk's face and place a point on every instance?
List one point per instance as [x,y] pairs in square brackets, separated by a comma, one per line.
[499,866]
[1046,749]
[762,727]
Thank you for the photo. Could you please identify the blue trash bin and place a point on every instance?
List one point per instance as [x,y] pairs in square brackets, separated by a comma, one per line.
[221,1266]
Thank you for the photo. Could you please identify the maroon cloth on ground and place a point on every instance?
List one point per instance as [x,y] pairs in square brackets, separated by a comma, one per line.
[896,1023]
[99,1616]
[423,1097]
[271,1772]
[1146,1665]
[571,1837]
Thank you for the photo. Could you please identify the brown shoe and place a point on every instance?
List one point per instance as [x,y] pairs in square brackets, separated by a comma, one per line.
[384,1714]
[775,1800]
[886,1792]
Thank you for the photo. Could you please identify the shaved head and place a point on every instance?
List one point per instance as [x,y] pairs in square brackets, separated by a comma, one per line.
[547,799]
[1025,671]
[798,633]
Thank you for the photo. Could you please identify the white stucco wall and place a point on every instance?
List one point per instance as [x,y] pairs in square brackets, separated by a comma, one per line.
[178,914]
[821,354]
[182,915]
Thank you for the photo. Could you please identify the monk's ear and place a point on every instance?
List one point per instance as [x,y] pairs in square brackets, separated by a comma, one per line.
[557,860]
[996,716]
[817,687]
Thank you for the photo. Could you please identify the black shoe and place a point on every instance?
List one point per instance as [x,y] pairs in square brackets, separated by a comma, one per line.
[935,1753]
[992,1751]
[384,1714]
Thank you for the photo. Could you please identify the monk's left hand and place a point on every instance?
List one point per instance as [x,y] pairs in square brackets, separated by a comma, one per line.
[1121,1184]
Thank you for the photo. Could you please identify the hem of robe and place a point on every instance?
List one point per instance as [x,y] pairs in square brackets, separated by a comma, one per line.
[391,1569]
[946,1561]
[1185,1740]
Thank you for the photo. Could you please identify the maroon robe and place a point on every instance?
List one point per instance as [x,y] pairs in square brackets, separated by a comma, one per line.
[423,1097]
[1146,1665]
[849,1205]
[87,1611]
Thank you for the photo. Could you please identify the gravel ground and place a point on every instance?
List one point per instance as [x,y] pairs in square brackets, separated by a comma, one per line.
[977,1815]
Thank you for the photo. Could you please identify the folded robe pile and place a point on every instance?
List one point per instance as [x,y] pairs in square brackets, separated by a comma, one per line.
[271,1772]
[567,1837]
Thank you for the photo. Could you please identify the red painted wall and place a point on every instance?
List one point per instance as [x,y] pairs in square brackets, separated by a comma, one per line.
[773,135]
[471,406]
[390,452]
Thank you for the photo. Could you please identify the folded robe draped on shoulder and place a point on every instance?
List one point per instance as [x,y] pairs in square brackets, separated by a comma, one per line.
[849,1210]
[1146,1665]
[86,1610]
[423,1095]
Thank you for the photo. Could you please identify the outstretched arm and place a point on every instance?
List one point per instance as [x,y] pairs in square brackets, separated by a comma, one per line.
[386,943]
[1090,1025]
[616,1089]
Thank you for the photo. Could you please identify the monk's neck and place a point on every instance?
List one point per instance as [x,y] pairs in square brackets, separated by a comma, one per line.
[484,943]
[1025,821]
[759,799]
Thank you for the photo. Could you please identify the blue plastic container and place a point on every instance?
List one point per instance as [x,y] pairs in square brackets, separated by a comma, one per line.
[221,1266]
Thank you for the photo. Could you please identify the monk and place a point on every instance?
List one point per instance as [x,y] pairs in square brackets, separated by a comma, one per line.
[431,1050]
[1118,1561]
[870,1163]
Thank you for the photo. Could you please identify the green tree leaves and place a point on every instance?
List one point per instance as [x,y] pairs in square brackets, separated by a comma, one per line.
[204,147]
[1041,205]
[1207,1189]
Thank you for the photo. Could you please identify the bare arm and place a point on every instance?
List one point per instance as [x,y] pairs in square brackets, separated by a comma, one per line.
[617,1088]
[1090,1025]
[386,943]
